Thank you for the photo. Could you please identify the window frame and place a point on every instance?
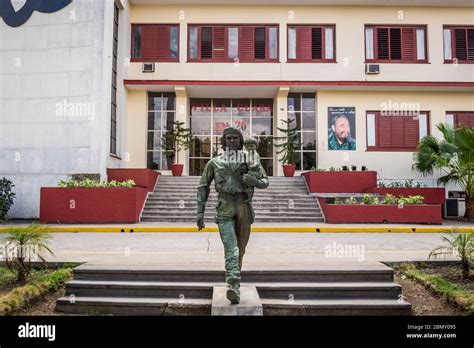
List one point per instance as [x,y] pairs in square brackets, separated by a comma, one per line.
[141,59]
[226,27]
[451,28]
[377,147]
[396,61]
[323,44]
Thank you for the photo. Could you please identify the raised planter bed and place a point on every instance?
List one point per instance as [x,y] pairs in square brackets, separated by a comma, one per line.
[145,178]
[91,205]
[383,213]
[431,195]
[99,205]
[340,181]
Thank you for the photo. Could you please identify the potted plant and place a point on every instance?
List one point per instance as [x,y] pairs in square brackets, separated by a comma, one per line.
[286,147]
[176,139]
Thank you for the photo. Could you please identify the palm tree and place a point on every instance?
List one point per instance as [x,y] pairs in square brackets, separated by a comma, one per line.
[461,244]
[454,156]
[26,243]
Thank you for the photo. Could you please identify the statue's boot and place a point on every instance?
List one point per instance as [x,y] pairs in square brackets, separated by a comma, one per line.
[233,292]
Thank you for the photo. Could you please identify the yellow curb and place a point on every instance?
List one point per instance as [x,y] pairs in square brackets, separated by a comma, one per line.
[277,229]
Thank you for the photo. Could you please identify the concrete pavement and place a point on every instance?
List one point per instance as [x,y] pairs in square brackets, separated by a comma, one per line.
[204,249]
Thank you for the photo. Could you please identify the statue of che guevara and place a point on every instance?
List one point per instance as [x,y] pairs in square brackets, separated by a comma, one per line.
[235,176]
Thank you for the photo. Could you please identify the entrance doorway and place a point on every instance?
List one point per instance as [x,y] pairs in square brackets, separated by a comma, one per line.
[209,117]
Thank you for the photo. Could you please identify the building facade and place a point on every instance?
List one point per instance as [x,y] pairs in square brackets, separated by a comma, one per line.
[96,84]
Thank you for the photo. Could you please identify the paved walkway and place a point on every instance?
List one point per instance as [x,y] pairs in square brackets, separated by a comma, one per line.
[205,249]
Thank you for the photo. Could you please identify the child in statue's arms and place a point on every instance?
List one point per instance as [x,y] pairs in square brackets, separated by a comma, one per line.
[253,161]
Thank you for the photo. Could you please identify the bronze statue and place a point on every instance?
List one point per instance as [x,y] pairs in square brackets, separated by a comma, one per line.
[235,177]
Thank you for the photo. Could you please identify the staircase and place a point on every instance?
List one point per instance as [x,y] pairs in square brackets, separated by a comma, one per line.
[333,289]
[286,200]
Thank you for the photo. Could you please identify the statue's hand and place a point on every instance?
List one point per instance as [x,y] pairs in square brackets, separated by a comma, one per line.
[249,180]
[200,223]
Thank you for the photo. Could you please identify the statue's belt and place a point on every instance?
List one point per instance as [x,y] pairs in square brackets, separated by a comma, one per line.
[239,196]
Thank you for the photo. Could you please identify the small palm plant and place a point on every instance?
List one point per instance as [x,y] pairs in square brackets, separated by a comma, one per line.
[287,145]
[460,244]
[23,244]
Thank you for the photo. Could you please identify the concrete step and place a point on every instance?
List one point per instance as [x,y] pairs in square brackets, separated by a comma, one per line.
[323,273]
[133,306]
[256,204]
[257,220]
[305,290]
[269,213]
[175,290]
[107,288]
[336,306]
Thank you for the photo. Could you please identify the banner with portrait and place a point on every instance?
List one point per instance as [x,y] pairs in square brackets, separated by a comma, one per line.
[341,128]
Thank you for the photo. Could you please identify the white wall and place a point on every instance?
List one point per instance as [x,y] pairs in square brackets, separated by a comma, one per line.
[51,60]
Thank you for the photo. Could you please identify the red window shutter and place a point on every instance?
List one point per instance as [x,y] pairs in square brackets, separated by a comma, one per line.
[408,44]
[411,132]
[383,43]
[247,45]
[385,131]
[149,50]
[470,44]
[316,43]
[395,44]
[206,43]
[218,46]
[460,44]
[162,42]
[303,43]
[397,131]
[465,118]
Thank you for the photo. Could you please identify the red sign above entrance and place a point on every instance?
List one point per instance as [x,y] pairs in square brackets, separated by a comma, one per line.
[203,107]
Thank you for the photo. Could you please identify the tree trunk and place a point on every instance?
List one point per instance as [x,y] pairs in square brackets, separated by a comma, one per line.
[469,214]
[465,269]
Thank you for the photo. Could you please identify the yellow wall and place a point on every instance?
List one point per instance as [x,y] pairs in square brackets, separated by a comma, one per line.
[135,151]
[350,50]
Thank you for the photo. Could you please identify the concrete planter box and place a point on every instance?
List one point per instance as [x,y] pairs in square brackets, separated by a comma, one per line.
[360,213]
[145,178]
[340,182]
[431,195]
[91,205]
[99,205]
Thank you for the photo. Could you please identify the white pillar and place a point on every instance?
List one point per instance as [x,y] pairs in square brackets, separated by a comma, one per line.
[182,116]
[280,113]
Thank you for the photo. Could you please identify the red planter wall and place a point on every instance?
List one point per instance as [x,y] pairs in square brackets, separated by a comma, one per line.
[340,182]
[91,205]
[145,178]
[431,195]
[348,213]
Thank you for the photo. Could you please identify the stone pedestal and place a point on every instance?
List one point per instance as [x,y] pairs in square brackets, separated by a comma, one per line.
[250,303]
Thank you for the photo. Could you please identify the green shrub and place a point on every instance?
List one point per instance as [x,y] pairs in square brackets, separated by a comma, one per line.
[88,183]
[20,297]
[366,199]
[6,197]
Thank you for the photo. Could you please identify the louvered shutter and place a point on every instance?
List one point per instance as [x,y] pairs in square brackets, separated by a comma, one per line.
[460,43]
[384,131]
[260,43]
[247,45]
[316,43]
[303,42]
[395,44]
[206,43]
[411,132]
[470,44]
[383,44]
[218,47]
[162,42]
[149,50]
[408,44]
[465,118]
